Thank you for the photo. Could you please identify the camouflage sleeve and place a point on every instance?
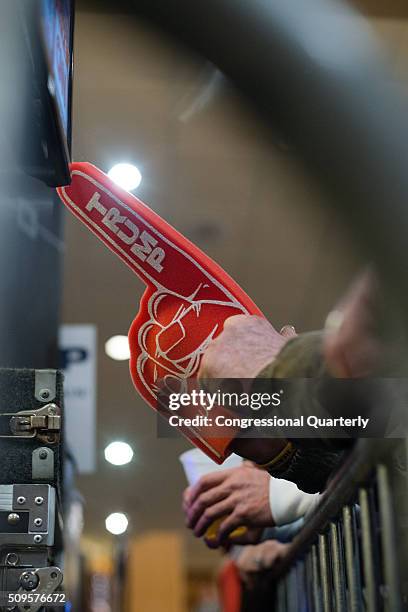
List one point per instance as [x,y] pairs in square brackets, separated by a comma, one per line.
[301,357]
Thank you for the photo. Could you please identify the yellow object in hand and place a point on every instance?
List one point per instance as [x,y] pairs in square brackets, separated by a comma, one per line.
[212,531]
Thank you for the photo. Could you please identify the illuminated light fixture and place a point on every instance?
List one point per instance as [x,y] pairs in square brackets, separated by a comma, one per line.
[117,348]
[118,453]
[126,176]
[116,523]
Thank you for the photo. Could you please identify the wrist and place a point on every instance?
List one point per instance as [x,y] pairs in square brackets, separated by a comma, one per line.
[259,450]
[280,461]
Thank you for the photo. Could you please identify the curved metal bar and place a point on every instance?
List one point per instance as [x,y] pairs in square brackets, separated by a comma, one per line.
[314,69]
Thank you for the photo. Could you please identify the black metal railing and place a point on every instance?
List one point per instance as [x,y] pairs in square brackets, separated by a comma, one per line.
[347,556]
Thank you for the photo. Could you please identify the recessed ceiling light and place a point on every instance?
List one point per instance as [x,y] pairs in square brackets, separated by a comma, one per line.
[116,523]
[126,176]
[117,348]
[118,453]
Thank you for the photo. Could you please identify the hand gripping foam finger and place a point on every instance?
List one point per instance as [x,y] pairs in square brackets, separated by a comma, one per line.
[187,299]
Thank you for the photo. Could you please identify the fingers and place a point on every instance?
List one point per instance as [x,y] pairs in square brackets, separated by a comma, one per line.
[186,499]
[237,320]
[274,555]
[244,557]
[212,514]
[270,555]
[246,344]
[208,482]
[232,522]
[205,370]
[266,556]
[203,502]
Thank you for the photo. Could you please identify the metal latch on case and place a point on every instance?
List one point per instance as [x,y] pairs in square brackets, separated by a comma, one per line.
[42,423]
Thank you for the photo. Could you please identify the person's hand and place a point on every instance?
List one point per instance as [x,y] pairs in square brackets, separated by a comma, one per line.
[186,499]
[241,495]
[352,344]
[252,535]
[254,559]
[246,345]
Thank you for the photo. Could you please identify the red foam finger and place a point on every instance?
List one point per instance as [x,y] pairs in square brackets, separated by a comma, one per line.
[187,299]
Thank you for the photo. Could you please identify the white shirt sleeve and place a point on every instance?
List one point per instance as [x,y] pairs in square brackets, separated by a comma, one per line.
[288,503]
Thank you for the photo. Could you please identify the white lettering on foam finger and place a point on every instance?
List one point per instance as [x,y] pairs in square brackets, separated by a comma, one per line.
[145,250]
[150,355]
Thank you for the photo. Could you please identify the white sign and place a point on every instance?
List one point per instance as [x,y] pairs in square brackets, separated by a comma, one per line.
[78,346]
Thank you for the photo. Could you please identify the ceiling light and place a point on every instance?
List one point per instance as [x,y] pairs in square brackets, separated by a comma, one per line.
[116,523]
[126,176]
[118,453]
[117,348]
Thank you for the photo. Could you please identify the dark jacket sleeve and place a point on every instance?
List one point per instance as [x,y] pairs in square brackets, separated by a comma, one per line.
[313,460]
